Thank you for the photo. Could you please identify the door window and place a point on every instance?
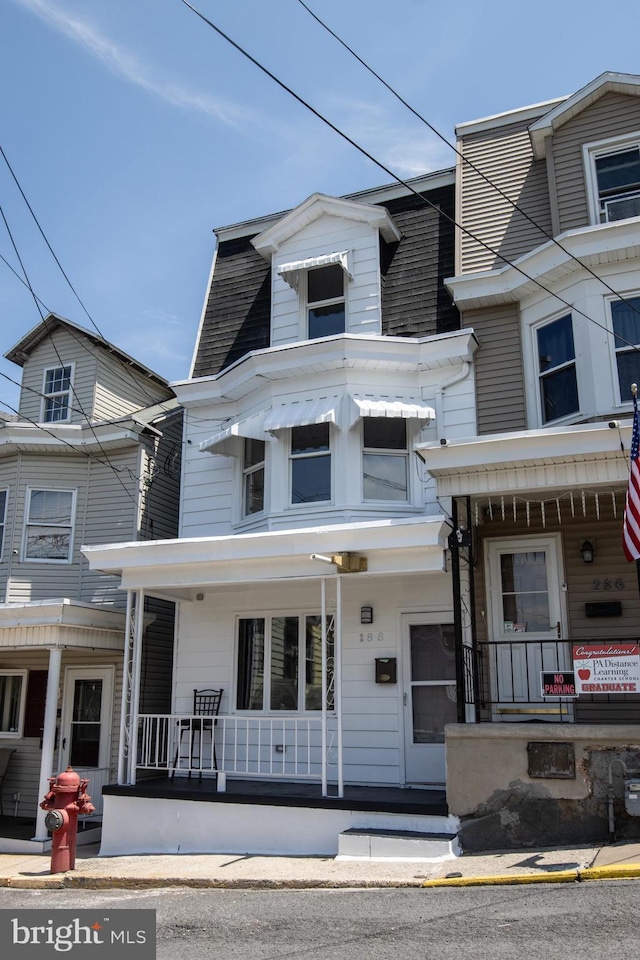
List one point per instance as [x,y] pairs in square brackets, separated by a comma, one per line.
[86,724]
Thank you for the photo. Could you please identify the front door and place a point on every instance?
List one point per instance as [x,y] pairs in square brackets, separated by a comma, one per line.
[526,625]
[85,742]
[429,695]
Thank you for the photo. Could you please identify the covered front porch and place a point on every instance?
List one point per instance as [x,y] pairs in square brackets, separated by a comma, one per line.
[312,636]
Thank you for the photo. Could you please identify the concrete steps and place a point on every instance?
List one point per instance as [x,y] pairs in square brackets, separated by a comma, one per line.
[358,844]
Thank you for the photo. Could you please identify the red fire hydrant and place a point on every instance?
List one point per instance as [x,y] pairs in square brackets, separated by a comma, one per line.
[66,798]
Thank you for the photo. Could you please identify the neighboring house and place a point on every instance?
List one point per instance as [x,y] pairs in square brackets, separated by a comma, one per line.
[93,454]
[311,570]
[552,291]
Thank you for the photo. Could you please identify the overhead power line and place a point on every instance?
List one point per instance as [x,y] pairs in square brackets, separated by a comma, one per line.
[397,178]
[139,384]
[514,203]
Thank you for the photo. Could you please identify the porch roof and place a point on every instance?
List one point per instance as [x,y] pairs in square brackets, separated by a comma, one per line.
[60,623]
[551,459]
[177,568]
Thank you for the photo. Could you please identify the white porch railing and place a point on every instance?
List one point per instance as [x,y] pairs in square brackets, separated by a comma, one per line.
[274,747]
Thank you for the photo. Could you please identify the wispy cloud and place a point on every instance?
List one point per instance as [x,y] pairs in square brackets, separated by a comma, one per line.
[128,66]
[406,149]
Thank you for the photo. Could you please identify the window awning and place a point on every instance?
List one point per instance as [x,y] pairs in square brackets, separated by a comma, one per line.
[377,406]
[303,413]
[290,272]
[222,443]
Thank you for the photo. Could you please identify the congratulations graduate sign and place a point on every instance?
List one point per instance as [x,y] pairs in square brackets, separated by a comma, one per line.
[610,667]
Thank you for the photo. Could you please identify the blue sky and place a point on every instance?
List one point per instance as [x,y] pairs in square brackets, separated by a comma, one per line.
[134,130]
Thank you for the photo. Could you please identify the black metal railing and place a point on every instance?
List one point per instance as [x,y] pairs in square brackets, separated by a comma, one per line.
[503,679]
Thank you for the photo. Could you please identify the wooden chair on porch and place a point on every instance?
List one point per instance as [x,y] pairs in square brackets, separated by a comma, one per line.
[5,757]
[206,704]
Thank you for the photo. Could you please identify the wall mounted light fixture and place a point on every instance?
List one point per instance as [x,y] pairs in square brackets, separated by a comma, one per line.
[366,614]
[587,551]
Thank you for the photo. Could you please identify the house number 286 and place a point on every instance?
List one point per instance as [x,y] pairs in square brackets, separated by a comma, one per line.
[606,584]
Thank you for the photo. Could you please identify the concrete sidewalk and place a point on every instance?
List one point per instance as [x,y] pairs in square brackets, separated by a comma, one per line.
[567,864]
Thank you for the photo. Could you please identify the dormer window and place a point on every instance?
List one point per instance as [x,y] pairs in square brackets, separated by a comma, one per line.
[57,394]
[325,301]
[613,168]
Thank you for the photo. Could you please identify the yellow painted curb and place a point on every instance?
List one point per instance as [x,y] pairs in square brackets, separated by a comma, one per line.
[611,872]
[560,876]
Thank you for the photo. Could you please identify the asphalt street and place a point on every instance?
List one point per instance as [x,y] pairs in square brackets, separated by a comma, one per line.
[579,920]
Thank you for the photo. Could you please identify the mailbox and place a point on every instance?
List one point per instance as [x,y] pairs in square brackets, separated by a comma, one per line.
[386,670]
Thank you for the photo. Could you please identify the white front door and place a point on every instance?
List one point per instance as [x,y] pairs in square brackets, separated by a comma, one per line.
[429,695]
[87,705]
[526,622]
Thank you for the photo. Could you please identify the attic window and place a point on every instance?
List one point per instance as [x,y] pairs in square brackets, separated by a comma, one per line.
[614,171]
[292,272]
[57,393]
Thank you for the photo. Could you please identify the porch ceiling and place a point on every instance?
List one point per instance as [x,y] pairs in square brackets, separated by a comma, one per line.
[177,568]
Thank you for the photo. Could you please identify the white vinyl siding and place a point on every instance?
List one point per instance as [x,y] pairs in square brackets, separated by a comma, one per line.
[362,294]
[372,713]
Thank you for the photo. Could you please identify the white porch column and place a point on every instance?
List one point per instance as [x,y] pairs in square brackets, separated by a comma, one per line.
[323,654]
[131,687]
[337,666]
[48,738]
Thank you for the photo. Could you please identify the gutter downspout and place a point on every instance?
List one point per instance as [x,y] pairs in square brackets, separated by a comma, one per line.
[457,377]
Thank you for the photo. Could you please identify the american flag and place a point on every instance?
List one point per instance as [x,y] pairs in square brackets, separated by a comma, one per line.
[631,525]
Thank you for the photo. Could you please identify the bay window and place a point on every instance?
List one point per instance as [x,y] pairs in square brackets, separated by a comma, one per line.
[49,525]
[310,463]
[625,316]
[557,369]
[385,458]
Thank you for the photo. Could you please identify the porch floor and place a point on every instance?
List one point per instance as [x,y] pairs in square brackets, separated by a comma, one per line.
[287,794]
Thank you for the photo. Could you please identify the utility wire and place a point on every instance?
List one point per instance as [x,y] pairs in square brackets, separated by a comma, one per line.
[138,384]
[397,178]
[53,344]
[465,159]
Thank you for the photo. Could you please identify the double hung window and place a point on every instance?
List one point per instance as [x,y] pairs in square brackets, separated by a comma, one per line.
[253,477]
[57,394]
[618,183]
[325,301]
[12,696]
[557,369]
[3,518]
[385,458]
[310,463]
[625,315]
[279,663]
[49,525]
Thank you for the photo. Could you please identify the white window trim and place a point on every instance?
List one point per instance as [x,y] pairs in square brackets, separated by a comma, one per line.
[306,305]
[493,549]
[245,472]
[27,523]
[389,452]
[310,504]
[571,417]
[618,400]
[266,710]
[16,734]
[48,396]
[3,519]
[590,151]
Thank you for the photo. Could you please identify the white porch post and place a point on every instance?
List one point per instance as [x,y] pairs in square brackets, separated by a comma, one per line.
[337,666]
[131,687]
[323,616]
[48,738]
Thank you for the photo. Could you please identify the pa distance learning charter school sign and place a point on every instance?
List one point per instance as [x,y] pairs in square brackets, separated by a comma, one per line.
[607,667]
